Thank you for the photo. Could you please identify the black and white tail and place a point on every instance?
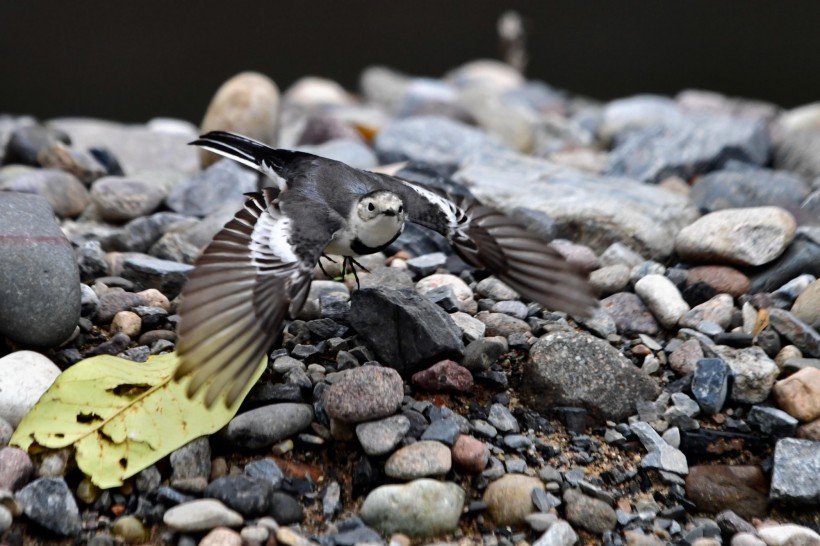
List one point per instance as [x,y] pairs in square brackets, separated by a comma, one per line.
[252,153]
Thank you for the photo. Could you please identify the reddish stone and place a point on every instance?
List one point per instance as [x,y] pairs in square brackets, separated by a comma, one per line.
[470,453]
[721,278]
[742,489]
[444,376]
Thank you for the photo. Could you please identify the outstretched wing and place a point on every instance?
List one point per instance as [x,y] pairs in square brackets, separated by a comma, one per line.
[257,269]
[487,238]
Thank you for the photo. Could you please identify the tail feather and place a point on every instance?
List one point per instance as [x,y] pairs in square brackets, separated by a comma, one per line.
[249,152]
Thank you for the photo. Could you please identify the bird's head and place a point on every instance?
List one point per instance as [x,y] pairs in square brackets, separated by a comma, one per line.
[381,203]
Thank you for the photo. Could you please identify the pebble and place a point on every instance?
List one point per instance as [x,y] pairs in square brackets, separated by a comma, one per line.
[247,495]
[787,535]
[49,503]
[419,460]
[630,314]
[803,336]
[501,418]
[610,279]
[471,328]
[499,324]
[748,236]
[444,376]
[463,293]
[201,515]
[482,353]
[807,305]
[67,196]
[560,533]
[421,508]
[799,394]
[193,460]
[24,378]
[15,468]
[588,513]
[118,199]
[772,421]
[721,278]
[127,322]
[662,298]
[263,427]
[221,537]
[753,371]
[718,311]
[130,530]
[710,384]
[207,191]
[445,430]
[5,519]
[612,383]
[660,454]
[382,436]
[795,479]
[147,272]
[509,498]
[363,394]
[36,310]
[686,356]
[470,454]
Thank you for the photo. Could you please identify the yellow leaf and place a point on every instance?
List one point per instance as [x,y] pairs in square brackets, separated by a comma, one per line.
[121,416]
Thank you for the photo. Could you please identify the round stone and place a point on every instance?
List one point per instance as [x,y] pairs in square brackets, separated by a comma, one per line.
[420,508]
[419,460]
[119,199]
[24,378]
[364,394]
[509,498]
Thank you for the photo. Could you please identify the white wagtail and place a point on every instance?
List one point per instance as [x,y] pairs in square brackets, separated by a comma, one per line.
[259,267]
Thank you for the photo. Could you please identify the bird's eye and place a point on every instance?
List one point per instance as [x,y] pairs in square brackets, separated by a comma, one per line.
[401,208]
[370,206]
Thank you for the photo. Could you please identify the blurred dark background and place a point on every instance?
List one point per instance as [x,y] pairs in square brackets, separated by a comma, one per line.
[137,60]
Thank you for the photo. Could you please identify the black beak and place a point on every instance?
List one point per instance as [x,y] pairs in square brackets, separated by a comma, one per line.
[390,212]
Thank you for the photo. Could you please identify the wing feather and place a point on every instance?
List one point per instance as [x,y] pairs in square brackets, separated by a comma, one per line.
[253,272]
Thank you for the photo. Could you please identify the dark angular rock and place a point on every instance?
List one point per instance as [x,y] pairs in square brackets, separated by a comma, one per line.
[265,469]
[773,421]
[444,297]
[801,257]
[249,496]
[406,330]
[575,369]
[149,272]
[443,430]
[803,336]
[444,376]
[49,503]
[710,384]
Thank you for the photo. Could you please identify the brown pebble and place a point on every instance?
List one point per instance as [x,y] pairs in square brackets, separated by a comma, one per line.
[721,278]
[799,394]
[471,454]
[742,489]
[446,376]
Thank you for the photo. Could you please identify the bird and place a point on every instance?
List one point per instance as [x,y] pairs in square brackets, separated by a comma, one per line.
[258,269]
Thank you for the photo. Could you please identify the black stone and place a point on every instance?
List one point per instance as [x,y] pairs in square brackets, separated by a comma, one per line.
[574,419]
[266,470]
[285,509]
[710,384]
[773,421]
[334,307]
[707,445]
[697,293]
[801,257]
[366,477]
[406,330]
[418,423]
[263,394]
[737,340]
[324,328]
[171,497]
[108,160]
[249,496]
[444,297]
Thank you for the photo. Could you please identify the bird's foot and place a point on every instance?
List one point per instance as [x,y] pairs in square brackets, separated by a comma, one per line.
[349,261]
[331,260]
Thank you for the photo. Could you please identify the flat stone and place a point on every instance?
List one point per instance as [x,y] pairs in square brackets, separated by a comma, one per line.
[796,472]
[382,436]
[559,534]
[267,425]
[148,272]
[660,454]
[419,460]
[201,515]
[119,199]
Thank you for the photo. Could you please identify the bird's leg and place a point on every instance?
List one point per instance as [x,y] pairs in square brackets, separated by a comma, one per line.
[331,260]
[349,260]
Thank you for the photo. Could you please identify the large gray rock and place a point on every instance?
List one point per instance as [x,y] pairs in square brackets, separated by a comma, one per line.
[796,472]
[136,147]
[575,369]
[692,146]
[39,277]
[432,139]
[225,181]
[593,210]
[407,330]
